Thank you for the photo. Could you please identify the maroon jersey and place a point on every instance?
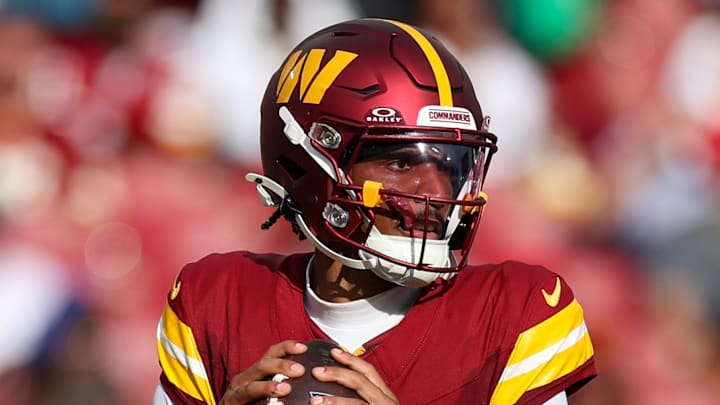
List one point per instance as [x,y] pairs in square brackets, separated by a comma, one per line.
[495,334]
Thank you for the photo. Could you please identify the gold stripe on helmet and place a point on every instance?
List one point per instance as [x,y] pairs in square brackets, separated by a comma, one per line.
[441,76]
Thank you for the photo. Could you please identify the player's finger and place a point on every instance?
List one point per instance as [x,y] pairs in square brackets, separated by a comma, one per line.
[356,381]
[284,348]
[328,400]
[271,363]
[267,367]
[363,367]
[255,390]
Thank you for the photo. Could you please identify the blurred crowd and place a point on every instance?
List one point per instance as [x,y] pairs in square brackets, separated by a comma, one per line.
[126,128]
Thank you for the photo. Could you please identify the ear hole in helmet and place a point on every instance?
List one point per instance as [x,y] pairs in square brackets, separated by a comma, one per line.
[292,169]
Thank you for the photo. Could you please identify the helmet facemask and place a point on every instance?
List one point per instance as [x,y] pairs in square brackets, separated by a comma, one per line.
[419,195]
[411,218]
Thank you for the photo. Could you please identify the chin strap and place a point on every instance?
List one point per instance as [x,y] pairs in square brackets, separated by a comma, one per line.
[436,250]
[436,254]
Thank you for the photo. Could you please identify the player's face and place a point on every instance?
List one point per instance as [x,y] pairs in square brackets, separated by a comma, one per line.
[418,168]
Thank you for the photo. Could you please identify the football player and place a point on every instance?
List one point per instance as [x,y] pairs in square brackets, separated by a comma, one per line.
[375,148]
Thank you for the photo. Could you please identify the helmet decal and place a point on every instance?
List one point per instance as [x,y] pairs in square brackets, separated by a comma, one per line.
[383,115]
[446,117]
[314,80]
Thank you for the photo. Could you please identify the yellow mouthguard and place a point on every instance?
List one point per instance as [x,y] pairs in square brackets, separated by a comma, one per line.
[371,193]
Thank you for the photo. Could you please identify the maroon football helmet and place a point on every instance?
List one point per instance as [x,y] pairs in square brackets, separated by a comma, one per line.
[358,91]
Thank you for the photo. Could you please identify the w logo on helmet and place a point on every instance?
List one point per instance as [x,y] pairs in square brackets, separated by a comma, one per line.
[314,80]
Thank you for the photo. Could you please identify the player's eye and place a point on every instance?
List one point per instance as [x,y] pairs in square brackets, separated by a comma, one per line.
[399,165]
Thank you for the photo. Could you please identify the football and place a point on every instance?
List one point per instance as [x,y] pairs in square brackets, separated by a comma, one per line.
[306,386]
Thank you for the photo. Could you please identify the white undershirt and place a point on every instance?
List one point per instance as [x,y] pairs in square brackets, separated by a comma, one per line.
[353,323]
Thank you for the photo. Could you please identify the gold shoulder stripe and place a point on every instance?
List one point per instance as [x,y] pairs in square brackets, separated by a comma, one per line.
[547,332]
[180,358]
[441,76]
[179,334]
[544,353]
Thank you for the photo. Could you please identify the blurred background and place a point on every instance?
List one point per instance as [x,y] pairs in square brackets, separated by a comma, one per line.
[126,127]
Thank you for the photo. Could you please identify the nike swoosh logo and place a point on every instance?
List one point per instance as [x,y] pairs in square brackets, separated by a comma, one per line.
[553,298]
[175,290]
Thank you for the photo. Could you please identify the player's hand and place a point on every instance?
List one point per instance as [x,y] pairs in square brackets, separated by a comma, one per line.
[361,376]
[252,384]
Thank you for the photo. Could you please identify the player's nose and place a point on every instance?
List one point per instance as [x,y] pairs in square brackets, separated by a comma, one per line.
[433,182]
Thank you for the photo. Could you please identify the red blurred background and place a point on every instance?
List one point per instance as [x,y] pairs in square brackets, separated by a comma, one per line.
[126,128]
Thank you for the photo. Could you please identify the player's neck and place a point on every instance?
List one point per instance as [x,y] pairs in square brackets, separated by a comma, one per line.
[333,282]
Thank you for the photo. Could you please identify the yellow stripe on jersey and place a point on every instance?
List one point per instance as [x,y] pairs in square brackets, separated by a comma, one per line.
[441,76]
[544,353]
[180,358]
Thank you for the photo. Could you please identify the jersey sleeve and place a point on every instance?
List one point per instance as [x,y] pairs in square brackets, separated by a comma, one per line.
[552,351]
[184,375]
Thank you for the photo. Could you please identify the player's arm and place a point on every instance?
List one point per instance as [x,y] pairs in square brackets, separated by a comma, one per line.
[552,352]
[184,378]
[187,376]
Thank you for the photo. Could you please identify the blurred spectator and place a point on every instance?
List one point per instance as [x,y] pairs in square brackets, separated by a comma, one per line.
[26,270]
[401,10]
[60,16]
[237,45]
[509,82]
